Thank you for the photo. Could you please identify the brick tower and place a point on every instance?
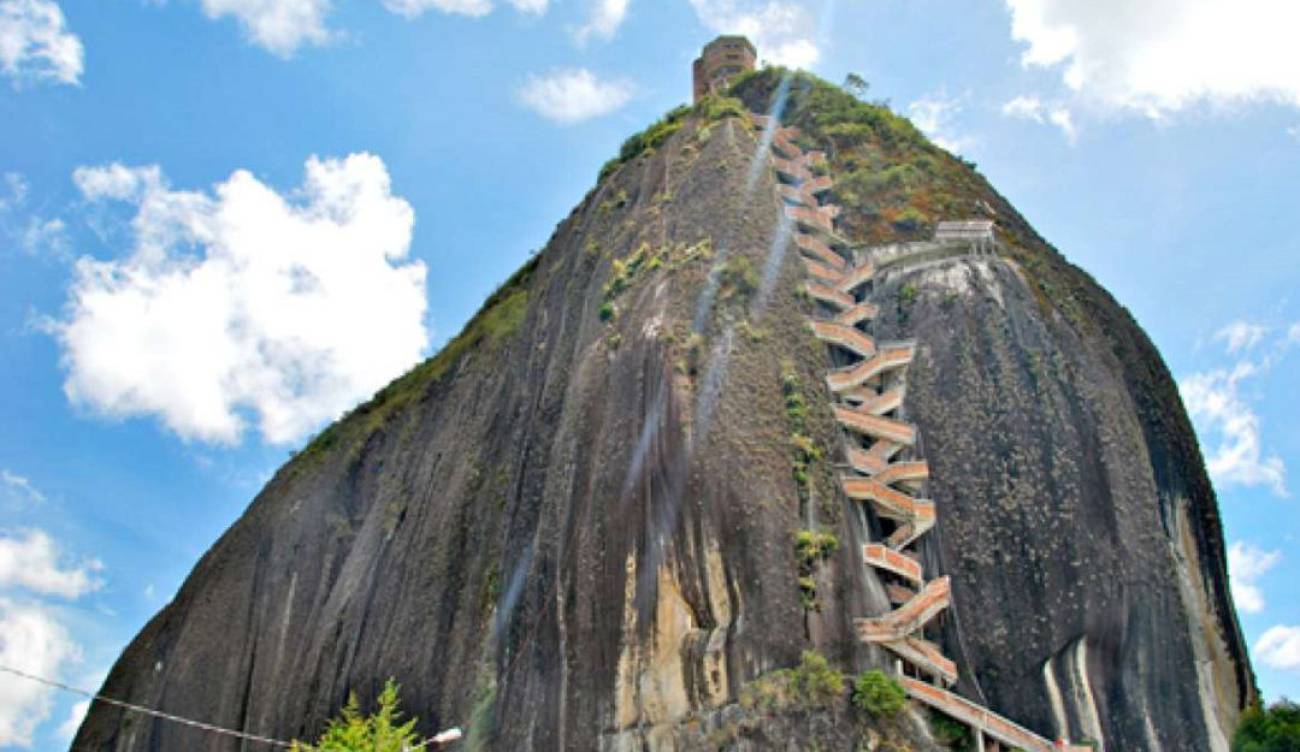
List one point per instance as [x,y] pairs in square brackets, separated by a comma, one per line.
[720,62]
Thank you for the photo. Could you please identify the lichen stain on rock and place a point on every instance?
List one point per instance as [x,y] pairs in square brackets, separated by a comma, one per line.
[681,666]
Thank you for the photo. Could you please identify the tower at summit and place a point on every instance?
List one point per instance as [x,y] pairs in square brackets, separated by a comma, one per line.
[720,62]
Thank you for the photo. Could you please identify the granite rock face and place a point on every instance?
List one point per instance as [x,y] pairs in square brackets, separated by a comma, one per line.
[1076,520]
[573,528]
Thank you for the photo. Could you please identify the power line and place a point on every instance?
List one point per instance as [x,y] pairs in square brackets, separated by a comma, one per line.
[148,711]
[439,740]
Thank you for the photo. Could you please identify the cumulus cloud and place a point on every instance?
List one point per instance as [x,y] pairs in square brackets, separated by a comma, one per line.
[536,7]
[782,31]
[1246,564]
[1161,56]
[30,561]
[280,26]
[243,302]
[604,18]
[34,641]
[1230,428]
[1279,647]
[1293,334]
[1032,108]
[20,486]
[36,45]
[573,95]
[934,115]
[1240,336]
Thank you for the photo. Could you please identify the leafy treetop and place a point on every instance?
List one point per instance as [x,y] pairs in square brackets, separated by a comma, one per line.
[1276,729]
[383,731]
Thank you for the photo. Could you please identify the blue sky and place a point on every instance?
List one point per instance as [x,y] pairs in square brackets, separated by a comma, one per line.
[222,222]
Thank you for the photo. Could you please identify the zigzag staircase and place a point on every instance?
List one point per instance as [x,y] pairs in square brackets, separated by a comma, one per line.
[868,395]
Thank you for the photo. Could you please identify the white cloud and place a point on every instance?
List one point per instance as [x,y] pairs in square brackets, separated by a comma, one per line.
[573,95]
[603,20]
[413,8]
[1160,56]
[934,116]
[1293,334]
[782,31]
[289,307]
[31,640]
[36,45]
[1032,108]
[1294,132]
[76,714]
[471,8]
[1246,564]
[1240,336]
[31,561]
[30,233]
[1279,647]
[1062,119]
[116,181]
[21,486]
[1225,419]
[280,26]
[14,190]
[44,237]
[1027,108]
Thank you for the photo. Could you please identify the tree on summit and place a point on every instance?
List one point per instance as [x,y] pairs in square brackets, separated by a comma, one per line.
[856,85]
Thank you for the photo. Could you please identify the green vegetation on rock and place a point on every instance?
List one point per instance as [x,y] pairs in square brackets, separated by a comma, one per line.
[813,547]
[878,694]
[911,220]
[714,107]
[804,451]
[814,683]
[738,280]
[951,733]
[710,109]
[624,271]
[647,140]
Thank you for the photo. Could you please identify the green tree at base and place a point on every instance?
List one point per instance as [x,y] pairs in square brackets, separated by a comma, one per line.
[382,731]
[1276,729]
